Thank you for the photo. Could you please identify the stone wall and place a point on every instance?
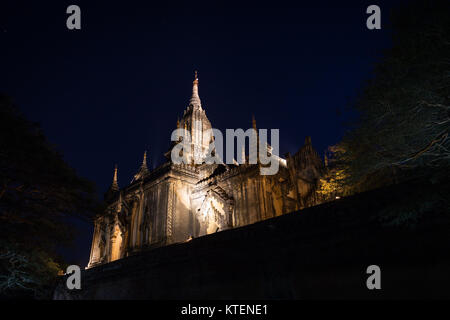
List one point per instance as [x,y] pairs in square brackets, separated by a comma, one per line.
[319,252]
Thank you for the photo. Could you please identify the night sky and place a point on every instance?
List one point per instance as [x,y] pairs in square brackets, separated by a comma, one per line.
[107,92]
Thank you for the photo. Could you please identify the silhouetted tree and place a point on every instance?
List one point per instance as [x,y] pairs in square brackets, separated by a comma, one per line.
[404,109]
[37,191]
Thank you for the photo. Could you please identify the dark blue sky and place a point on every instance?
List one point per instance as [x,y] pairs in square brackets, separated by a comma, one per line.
[115,88]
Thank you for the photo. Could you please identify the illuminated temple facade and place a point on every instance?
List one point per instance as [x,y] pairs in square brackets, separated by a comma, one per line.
[177,202]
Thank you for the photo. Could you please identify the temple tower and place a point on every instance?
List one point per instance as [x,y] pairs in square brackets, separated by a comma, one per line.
[197,124]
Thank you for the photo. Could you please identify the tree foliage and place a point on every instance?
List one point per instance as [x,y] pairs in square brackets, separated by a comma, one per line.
[38,190]
[333,183]
[404,109]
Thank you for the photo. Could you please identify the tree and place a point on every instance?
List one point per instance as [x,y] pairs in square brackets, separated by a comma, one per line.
[404,109]
[332,184]
[38,190]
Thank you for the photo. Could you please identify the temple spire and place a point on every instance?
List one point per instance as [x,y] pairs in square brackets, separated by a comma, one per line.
[114,188]
[144,161]
[143,171]
[243,154]
[253,148]
[308,140]
[195,99]
[115,185]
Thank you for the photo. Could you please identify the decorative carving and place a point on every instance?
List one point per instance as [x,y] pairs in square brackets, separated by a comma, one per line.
[170,209]
[102,243]
[145,227]
[216,210]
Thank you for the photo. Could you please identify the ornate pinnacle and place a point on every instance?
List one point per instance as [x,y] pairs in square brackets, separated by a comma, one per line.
[308,140]
[195,99]
[114,188]
[144,161]
[243,154]
[143,170]
[115,185]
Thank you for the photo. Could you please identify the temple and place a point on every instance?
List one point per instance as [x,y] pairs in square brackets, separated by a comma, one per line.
[177,202]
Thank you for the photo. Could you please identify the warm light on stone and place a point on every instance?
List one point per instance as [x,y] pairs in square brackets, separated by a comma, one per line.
[178,202]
